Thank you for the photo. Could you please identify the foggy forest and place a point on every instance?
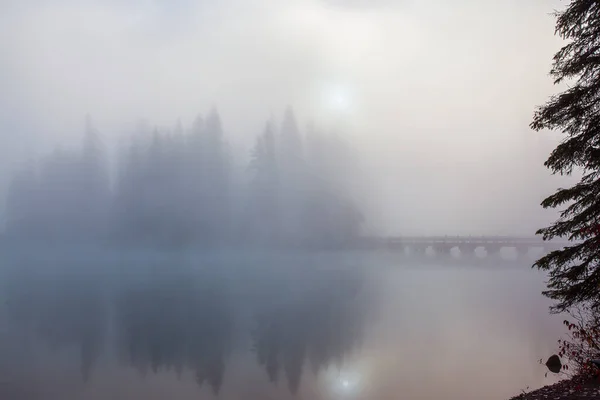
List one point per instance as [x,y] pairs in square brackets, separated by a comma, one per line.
[299,199]
[178,187]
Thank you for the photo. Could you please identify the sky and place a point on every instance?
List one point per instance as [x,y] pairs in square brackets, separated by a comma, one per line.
[436,96]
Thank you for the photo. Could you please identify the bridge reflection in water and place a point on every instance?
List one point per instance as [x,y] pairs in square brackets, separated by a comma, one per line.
[466,246]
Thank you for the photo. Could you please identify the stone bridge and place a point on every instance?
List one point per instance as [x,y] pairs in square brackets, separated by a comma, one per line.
[466,245]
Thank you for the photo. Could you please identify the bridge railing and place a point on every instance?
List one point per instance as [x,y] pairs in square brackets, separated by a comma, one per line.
[507,240]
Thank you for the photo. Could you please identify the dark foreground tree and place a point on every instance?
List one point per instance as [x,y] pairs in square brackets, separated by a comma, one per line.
[574,272]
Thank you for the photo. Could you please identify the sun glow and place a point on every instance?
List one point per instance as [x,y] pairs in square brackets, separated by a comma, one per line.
[338,98]
[347,385]
[343,384]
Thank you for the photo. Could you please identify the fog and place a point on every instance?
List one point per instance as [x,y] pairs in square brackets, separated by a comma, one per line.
[436,98]
[195,198]
[89,324]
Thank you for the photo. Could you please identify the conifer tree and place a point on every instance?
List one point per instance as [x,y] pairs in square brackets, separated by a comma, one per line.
[574,271]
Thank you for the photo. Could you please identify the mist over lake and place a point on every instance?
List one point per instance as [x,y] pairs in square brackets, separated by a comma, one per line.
[300,199]
[325,325]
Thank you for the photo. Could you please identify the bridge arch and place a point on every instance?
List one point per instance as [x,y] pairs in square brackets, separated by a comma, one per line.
[468,249]
[444,248]
[522,250]
[493,249]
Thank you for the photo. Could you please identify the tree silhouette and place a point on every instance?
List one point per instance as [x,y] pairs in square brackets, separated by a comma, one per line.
[216,165]
[67,197]
[264,207]
[94,183]
[21,203]
[302,192]
[177,188]
[126,220]
[292,172]
[575,270]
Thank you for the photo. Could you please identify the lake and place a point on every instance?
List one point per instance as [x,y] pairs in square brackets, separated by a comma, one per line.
[95,324]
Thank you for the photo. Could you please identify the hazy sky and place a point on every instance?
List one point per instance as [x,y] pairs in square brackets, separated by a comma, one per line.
[437,95]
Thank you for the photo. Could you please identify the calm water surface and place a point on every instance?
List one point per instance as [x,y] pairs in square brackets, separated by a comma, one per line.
[271,326]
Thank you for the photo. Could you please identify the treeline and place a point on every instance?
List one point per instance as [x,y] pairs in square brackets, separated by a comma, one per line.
[182,187]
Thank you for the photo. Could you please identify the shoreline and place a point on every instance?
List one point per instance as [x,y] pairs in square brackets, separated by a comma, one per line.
[575,388]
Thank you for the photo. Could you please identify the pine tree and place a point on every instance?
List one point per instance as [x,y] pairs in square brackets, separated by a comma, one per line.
[264,207]
[94,181]
[216,178]
[292,169]
[574,271]
[22,202]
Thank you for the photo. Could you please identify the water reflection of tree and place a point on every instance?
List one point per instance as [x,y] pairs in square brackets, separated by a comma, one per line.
[315,320]
[64,307]
[176,321]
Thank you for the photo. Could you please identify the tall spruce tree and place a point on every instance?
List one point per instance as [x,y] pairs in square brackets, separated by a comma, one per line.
[574,271]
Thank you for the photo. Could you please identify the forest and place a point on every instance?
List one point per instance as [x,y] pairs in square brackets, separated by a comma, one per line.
[181,187]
